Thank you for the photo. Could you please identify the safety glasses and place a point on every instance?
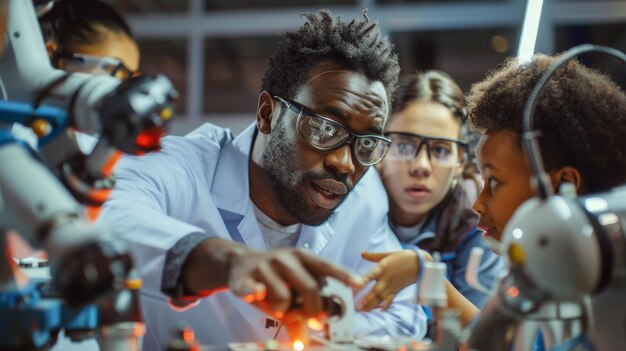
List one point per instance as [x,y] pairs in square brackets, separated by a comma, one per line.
[324,134]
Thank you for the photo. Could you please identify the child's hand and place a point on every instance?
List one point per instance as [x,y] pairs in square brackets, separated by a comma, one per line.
[394,272]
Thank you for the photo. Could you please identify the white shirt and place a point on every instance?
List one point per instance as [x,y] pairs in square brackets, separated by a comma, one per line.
[407,234]
[199,184]
[275,235]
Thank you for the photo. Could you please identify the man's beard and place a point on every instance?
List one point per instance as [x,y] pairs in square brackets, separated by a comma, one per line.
[280,162]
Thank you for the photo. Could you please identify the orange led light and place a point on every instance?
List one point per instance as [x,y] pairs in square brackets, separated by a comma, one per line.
[315,324]
[260,294]
[298,345]
[133,284]
[189,336]
[140,330]
[41,127]
[512,291]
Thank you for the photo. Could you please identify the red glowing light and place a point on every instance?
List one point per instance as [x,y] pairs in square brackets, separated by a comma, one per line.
[149,139]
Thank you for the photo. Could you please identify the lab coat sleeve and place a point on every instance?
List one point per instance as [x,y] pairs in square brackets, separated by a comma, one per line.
[140,210]
[404,317]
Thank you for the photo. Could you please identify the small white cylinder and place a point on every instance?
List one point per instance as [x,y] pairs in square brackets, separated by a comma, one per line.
[432,289]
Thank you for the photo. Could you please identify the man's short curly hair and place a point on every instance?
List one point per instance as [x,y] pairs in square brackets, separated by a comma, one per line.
[358,45]
[581,116]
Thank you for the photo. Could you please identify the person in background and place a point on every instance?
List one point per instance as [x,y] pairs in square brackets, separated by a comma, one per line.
[89,36]
[425,176]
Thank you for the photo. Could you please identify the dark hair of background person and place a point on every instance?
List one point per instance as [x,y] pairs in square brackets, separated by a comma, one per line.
[71,23]
[357,45]
[581,117]
[454,219]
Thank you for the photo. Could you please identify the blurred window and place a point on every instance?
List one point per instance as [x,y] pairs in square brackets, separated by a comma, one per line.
[465,54]
[167,57]
[234,68]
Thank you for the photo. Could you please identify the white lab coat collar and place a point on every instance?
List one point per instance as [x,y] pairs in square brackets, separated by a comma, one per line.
[231,192]
[230,188]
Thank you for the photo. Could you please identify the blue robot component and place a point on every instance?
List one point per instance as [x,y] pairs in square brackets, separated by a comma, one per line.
[33,202]
[15,112]
[30,321]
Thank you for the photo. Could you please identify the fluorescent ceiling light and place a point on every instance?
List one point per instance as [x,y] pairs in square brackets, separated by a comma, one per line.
[529,30]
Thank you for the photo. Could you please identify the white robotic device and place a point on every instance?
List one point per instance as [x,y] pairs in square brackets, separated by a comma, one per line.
[86,260]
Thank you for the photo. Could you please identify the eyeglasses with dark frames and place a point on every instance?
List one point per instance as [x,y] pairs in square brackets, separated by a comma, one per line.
[444,152]
[324,134]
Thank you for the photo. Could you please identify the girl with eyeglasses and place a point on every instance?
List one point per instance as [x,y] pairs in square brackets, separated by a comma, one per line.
[89,36]
[431,185]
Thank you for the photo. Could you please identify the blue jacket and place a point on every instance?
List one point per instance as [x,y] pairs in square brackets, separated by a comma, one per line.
[456,260]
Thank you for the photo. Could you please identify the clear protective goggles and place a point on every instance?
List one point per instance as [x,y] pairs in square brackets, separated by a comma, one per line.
[443,152]
[324,134]
[75,62]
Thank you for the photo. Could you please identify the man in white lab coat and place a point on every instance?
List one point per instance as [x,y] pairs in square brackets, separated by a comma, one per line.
[291,198]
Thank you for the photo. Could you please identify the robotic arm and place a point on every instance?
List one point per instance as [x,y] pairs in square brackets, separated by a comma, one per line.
[86,261]
[127,116]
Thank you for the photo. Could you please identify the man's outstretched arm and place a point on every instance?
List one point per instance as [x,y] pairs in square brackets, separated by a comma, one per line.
[272,280]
